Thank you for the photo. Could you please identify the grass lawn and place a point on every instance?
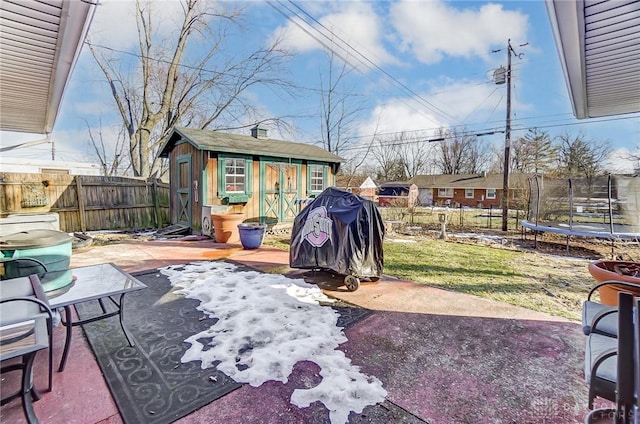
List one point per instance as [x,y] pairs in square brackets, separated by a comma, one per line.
[554,284]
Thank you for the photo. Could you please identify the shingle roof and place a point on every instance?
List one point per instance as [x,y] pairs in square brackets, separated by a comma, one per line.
[406,184]
[349,181]
[468,180]
[216,141]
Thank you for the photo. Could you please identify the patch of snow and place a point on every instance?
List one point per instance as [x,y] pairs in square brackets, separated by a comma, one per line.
[400,241]
[570,258]
[266,324]
[481,237]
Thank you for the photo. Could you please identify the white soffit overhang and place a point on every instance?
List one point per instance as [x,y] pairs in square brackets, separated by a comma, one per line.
[40,42]
[599,46]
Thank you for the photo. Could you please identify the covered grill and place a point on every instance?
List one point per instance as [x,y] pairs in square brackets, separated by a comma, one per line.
[340,232]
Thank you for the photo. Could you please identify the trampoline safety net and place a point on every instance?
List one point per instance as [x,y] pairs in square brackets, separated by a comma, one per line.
[602,207]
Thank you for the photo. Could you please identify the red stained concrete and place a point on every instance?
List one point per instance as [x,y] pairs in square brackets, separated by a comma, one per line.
[445,357]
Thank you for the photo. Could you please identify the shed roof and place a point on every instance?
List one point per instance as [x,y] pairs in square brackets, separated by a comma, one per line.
[469,180]
[41,42]
[216,141]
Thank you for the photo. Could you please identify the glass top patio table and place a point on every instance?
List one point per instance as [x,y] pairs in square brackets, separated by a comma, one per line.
[90,283]
[95,282]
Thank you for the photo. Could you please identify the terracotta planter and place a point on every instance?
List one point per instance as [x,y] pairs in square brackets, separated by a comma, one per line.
[626,271]
[225,227]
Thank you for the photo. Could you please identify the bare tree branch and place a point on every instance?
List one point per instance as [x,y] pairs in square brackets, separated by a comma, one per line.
[172,86]
[460,153]
[340,109]
[112,160]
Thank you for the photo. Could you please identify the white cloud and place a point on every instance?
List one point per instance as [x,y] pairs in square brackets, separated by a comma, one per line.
[623,161]
[397,116]
[356,24]
[266,324]
[114,24]
[73,145]
[452,103]
[432,30]
[468,101]
[70,146]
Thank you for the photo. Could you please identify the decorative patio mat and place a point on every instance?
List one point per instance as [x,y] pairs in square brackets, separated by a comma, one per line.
[350,315]
[148,382]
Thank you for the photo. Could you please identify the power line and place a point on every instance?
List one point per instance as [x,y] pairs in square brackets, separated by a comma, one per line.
[370,64]
[420,138]
[341,56]
[517,121]
[194,68]
[480,104]
[527,127]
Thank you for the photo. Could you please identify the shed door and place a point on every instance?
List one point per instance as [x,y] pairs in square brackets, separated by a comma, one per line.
[183,179]
[280,190]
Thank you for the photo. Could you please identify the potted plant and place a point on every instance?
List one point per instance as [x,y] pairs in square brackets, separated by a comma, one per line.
[251,234]
[225,227]
[625,271]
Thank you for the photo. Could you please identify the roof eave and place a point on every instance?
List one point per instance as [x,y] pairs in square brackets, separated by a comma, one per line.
[43,100]
[567,24]
[76,20]
[268,154]
[599,54]
[166,148]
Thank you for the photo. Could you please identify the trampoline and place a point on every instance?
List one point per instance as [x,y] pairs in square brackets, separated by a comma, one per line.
[606,207]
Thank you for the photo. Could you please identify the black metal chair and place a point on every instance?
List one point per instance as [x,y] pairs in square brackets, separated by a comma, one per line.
[27,287]
[611,365]
[602,319]
[25,329]
[21,267]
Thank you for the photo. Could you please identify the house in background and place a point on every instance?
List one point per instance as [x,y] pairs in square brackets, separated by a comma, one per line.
[474,190]
[252,175]
[398,194]
[361,185]
[46,166]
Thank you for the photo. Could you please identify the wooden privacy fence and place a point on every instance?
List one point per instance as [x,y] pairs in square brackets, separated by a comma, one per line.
[87,202]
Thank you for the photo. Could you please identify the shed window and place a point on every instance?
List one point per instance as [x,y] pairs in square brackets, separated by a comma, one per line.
[491,193]
[445,192]
[234,175]
[468,193]
[316,183]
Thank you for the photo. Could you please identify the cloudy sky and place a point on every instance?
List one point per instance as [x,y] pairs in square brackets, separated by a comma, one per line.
[417,66]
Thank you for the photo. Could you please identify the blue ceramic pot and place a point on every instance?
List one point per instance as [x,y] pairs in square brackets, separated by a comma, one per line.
[251,235]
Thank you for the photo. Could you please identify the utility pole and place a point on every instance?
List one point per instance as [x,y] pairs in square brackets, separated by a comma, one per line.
[507,135]
[507,146]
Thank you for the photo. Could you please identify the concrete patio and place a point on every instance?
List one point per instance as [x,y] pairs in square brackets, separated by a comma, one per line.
[403,344]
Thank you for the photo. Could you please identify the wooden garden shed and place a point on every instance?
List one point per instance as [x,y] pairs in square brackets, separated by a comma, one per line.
[252,175]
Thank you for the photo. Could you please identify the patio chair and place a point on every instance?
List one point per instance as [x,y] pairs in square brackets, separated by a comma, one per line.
[20,267]
[602,319]
[28,287]
[609,361]
[25,329]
